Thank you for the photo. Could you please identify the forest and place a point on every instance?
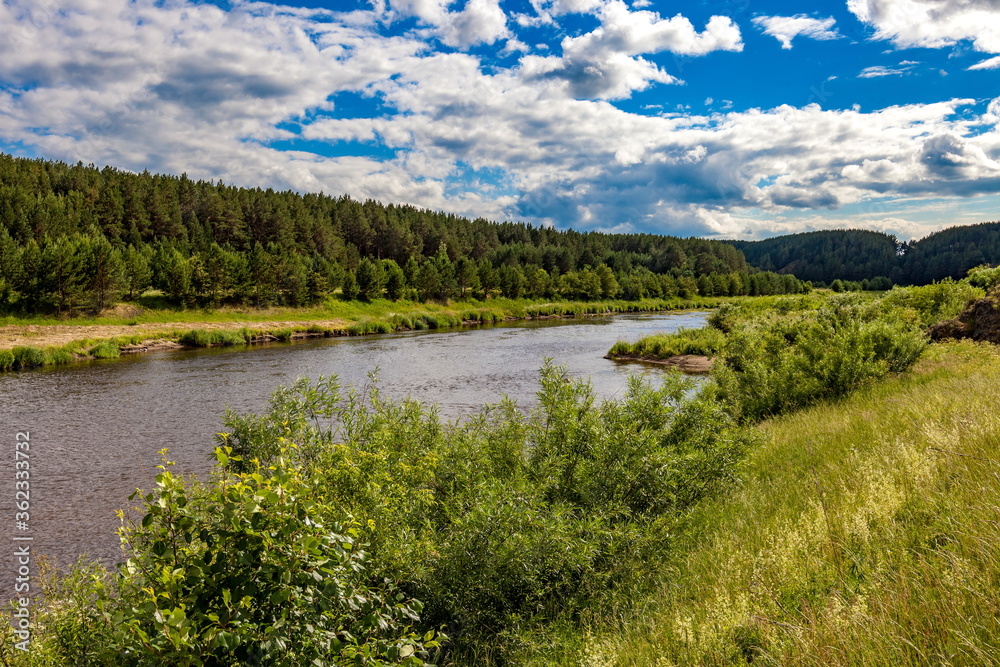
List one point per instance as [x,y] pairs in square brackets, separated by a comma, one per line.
[878,259]
[75,237]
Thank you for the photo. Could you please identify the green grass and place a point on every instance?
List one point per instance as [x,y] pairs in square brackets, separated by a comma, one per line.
[212,337]
[706,341]
[105,350]
[866,532]
[357,318]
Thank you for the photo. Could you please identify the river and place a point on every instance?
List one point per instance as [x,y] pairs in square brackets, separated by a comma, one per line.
[96,428]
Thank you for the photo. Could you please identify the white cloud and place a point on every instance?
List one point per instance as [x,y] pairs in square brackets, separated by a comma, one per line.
[989,63]
[787,28]
[632,33]
[932,23]
[188,87]
[878,71]
[605,63]
[479,22]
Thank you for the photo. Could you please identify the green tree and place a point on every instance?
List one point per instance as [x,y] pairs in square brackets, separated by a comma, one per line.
[136,271]
[63,272]
[349,287]
[395,280]
[370,278]
[609,284]
[105,270]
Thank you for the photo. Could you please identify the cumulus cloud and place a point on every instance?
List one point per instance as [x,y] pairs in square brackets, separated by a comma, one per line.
[606,63]
[787,28]
[479,22]
[189,87]
[932,23]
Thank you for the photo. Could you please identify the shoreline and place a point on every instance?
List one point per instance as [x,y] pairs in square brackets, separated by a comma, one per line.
[694,364]
[62,344]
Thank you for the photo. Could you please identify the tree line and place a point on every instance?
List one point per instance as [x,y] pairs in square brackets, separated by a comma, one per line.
[77,237]
[857,255]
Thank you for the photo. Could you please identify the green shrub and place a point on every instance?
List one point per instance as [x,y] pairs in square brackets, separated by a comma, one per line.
[933,303]
[984,277]
[6,360]
[245,571]
[27,356]
[770,367]
[105,350]
[503,521]
[196,338]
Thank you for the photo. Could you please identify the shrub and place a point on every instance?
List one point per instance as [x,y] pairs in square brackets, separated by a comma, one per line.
[772,367]
[933,303]
[6,360]
[504,521]
[707,341]
[248,571]
[207,338]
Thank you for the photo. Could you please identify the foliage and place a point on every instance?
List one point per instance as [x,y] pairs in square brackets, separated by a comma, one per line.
[775,366]
[210,337]
[505,521]
[874,260]
[935,302]
[245,571]
[984,276]
[73,237]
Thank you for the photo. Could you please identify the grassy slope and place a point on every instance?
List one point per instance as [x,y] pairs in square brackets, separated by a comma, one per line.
[867,533]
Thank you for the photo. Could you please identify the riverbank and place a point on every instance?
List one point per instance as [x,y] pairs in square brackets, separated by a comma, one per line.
[129,329]
[695,364]
[864,532]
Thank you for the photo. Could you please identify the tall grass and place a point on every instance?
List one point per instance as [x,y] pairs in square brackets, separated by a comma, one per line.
[866,532]
[707,341]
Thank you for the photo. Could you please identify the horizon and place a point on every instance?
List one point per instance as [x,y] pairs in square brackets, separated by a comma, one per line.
[718,120]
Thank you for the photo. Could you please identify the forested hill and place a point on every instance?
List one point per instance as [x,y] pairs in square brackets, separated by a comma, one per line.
[951,253]
[74,237]
[852,254]
[857,254]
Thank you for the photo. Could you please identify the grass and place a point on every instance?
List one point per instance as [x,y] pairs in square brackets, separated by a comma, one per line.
[334,318]
[866,532]
[706,342]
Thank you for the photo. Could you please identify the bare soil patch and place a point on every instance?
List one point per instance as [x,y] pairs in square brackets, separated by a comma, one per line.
[688,363]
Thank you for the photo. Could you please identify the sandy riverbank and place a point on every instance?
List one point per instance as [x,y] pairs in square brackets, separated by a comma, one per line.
[688,363]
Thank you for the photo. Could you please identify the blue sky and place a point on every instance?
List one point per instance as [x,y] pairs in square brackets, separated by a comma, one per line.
[722,118]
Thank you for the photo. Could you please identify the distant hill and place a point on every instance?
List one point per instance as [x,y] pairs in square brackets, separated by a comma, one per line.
[852,254]
[857,254]
[951,253]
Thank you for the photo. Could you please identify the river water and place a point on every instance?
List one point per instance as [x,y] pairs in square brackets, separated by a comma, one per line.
[96,429]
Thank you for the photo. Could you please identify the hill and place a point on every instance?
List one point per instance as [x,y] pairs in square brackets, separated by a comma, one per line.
[856,254]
